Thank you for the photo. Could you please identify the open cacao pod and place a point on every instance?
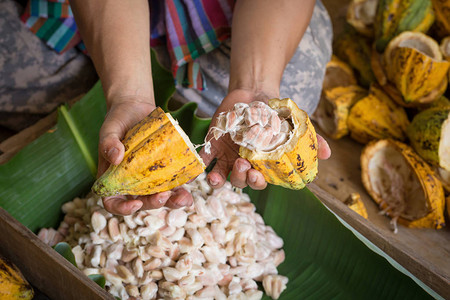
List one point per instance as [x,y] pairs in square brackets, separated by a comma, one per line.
[158,157]
[396,16]
[429,135]
[355,203]
[442,10]
[414,67]
[376,116]
[294,163]
[361,15]
[337,74]
[402,184]
[332,112]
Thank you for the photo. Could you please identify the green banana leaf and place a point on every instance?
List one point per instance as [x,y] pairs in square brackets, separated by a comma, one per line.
[324,258]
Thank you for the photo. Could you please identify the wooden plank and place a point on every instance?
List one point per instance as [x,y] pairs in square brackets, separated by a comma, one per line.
[42,266]
[423,252]
[12,145]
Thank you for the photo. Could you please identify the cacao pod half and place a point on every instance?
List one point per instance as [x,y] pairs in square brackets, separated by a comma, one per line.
[158,157]
[429,135]
[413,64]
[13,284]
[355,50]
[442,10]
[396,16]
[332,112]
[402,184]
[355,203]
[445,48]
[337,73]
[293,164]
[377,117]
[361,15]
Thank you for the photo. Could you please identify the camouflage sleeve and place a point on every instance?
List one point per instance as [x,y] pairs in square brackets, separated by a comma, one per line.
[34,79]
[302,78]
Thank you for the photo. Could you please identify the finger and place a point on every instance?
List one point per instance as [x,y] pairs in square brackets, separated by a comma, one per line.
[180,198]
[119,205]
[155,201]
[256,180]
[218,175]
[324,151]
[102,165]
[238,176]
[207,157]
[110,146]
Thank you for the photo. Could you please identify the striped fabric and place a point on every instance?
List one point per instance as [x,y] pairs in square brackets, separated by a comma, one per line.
[189,28]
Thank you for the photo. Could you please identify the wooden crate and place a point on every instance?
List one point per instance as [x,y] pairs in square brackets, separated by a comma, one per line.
[425,253]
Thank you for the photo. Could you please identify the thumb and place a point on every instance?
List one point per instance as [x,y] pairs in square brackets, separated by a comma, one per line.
[112,131]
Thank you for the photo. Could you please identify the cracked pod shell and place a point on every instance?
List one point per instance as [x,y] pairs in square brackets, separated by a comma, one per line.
[355,203]
[423,195]
[332,112]
[442,11]
[396,16]
[158,157]
[376,116]
[293,164]
[413,64]
[361,15]
[429,135]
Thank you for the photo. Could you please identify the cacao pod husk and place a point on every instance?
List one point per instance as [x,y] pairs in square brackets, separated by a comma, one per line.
[402,184]
[293,164]
[158,157]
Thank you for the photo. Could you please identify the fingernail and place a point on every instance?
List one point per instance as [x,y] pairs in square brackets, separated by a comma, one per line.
[213,181]
[252,178]
[164,196]
[112,153]
[135,208]
[243,167]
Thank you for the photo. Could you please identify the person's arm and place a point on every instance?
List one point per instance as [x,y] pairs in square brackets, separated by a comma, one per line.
[265,35]
[117,37]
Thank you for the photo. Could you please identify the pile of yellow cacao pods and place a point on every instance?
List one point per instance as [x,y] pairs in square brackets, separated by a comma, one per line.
[386,87]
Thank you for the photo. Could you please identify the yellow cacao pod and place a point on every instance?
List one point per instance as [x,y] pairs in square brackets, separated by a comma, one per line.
[442,11]
[402,184]
[413,64]
[332,112]
[376,116]
[355,50]
[293,164]
[13,284]
[429,135]
[355,203]
[158,157]
[337,73]
[361,15]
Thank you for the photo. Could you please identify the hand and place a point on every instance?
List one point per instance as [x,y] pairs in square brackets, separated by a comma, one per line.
[226,151]
[124,113]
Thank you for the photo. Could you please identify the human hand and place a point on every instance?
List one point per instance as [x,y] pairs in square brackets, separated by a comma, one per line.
[123,114]
[226,151]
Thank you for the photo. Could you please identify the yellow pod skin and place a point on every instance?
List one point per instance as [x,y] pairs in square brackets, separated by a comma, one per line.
[158,157]
[332,113]
[377,117]
[12,283]
[293,164]
[355,203]
[408,189]
[442,11]
[414,66]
